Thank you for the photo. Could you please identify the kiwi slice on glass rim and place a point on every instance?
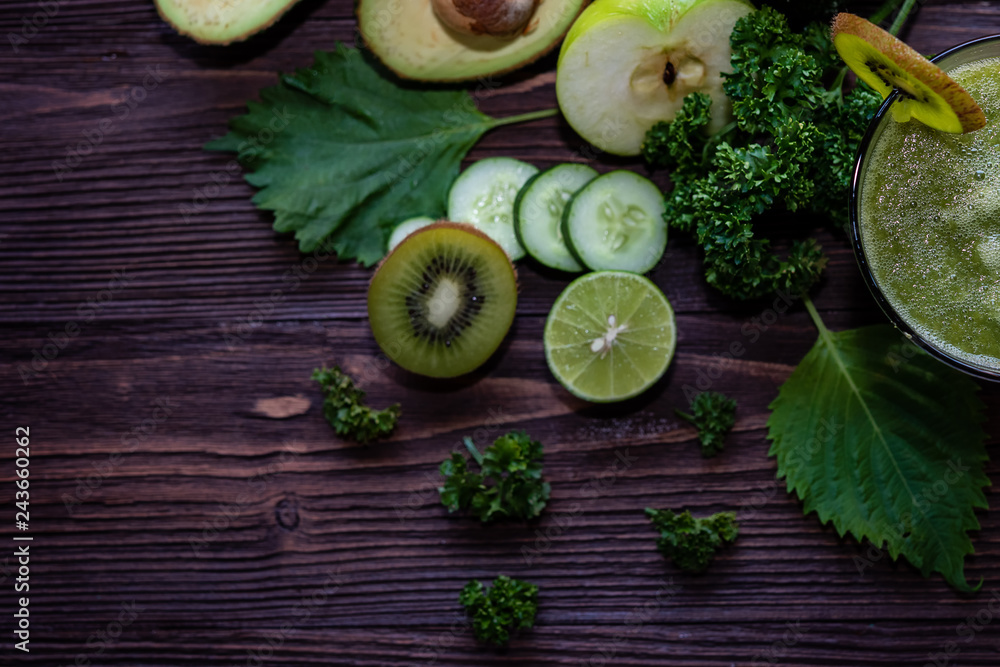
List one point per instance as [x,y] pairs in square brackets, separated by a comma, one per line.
[925,91]
[442,301]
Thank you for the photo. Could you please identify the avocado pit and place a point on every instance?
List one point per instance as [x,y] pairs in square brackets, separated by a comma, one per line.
[497,18]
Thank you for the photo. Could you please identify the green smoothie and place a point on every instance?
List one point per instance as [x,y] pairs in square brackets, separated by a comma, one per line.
[930,225]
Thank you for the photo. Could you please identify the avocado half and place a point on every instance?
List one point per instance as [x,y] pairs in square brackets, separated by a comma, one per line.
[221,21]
[410,40]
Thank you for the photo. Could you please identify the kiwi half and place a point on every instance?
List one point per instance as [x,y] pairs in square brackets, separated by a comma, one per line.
[442,301]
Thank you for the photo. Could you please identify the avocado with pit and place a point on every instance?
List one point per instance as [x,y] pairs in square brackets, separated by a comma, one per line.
[412,39]
[221,21]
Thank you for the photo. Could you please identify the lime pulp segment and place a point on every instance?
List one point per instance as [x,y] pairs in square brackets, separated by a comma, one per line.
[610,336]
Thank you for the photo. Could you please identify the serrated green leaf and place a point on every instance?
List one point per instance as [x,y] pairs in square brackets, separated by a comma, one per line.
[342,154]
[886,442]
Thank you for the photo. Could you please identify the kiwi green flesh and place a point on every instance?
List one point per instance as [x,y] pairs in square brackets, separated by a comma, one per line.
[895,78]
[440,305]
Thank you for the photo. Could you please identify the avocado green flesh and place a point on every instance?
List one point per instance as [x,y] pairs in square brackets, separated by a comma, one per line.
[410,39]
[221,21]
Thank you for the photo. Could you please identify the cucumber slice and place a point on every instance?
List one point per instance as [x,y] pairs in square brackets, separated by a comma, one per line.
[483,196]
[615,222]
[538,213]
[407,227]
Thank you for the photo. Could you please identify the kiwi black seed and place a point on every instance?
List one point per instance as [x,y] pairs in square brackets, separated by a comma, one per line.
[442,301]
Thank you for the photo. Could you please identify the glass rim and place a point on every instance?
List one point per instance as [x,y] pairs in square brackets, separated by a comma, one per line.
[871,134]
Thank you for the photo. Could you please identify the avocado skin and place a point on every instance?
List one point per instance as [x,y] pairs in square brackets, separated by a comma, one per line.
[241,18]
[437,53]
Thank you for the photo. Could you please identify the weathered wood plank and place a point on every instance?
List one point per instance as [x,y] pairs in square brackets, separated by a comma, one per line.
[160,483]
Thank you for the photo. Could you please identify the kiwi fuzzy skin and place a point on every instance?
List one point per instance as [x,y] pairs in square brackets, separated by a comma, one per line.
[465,367]
[914,64]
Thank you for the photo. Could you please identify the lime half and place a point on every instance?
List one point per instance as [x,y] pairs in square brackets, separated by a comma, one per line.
[610,336]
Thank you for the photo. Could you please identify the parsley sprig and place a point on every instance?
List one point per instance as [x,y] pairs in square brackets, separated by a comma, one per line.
[689,542]
[713,414]
[791,147]
[508,605]
[509,484]
[344,408]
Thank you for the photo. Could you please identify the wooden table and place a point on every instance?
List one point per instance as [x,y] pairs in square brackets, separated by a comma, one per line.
[179,520]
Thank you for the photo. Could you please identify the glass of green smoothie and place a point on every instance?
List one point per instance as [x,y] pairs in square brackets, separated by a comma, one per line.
[925,220]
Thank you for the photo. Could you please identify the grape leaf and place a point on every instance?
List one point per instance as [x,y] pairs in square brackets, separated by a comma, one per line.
[886,442]
[342,154]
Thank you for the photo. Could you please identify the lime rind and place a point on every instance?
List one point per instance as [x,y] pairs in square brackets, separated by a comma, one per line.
[624,307]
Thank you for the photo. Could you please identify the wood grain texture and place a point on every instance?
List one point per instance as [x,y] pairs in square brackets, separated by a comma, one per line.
[239,539]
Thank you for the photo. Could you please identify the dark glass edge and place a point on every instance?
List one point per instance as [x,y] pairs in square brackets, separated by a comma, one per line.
[859,253]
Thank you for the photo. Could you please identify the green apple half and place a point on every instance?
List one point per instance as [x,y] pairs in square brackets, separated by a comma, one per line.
[627,64]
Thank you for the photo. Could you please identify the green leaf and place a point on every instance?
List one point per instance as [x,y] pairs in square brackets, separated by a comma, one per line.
[886,442]
[343,154]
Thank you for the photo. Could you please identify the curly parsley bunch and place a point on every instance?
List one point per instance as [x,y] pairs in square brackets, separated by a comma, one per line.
[790,147]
